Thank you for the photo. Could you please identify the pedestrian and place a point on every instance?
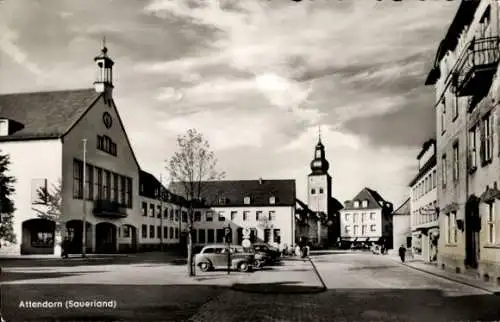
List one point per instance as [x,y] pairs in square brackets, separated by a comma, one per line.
[297,251]
[65,247]
[402,253]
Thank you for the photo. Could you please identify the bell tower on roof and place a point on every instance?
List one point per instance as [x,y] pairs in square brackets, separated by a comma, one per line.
[104,78]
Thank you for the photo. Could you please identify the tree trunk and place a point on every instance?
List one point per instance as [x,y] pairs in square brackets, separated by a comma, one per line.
[190,264]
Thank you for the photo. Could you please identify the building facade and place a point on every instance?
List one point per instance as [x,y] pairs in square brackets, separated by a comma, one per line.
[367,219]
[402,228]
[423,205]
[466,80]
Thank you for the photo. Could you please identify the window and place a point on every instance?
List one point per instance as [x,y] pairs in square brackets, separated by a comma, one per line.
[144,231]
[455,161]
[347,230]
[77,179]
[210,236]
[151,210]
[313,191]
[246,200]
[491,223]
[123,185]
[107,185]
[277,236]
[320,190]
[151,231]
[105,144]
[220,235]
[444,171]
[165,232]
[245,215]
[184,216]
[194,235]
[221,216]
[197,216]
[356,229]
[434,179]
[177,214]
[356,204]
[126,232]
[363,217]
[372,216]
[347,217]
[454,108]
[364,203]
[201,236]
[176,233]
[99,190]
[363,230]
[171,215]
[144,208]
[272,215]
[89,182]
[486,140]
[272,200]
[158,211]
[373,228]
[472,149]
[452,229]
[267,235]
[355,217]
[258,215]
[165,213]
[158,231]
[233,215]
[171,232]
[128,193]
[4,127]
[115,187]
[210,216]
[443,116]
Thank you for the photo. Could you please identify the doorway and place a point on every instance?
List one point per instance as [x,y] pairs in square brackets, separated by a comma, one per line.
[472,228]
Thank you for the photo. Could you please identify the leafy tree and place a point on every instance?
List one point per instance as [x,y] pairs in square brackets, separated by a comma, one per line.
[190,168]
[49,203]
[7,208]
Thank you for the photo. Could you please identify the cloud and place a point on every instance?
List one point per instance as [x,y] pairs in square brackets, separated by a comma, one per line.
[330,137]
[8,46]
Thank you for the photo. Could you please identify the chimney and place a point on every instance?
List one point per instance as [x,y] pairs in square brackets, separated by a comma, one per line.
[260,180]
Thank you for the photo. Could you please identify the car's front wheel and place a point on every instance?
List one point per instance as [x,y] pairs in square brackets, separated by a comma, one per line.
[243,267]
[204,267]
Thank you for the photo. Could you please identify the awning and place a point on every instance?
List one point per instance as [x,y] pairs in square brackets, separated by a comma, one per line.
[490,194]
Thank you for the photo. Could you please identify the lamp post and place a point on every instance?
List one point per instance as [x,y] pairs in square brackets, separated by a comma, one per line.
[84,223]
[160,195]
[228,236]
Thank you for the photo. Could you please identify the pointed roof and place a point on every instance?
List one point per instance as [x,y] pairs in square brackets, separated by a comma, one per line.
[45,115]
[404,209]
[375,200]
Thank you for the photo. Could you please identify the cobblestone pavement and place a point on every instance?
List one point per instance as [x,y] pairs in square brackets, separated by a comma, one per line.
[360,288]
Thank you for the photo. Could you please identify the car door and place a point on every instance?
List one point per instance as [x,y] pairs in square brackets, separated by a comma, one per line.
[219,257]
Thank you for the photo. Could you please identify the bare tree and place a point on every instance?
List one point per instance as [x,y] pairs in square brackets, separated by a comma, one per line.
[49,203]
[190,168]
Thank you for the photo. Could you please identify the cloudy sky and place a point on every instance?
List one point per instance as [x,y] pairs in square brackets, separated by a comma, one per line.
[256,77]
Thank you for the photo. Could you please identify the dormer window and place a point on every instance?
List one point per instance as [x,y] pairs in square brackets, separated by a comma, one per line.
[365,203]
[356,204]
[272,200]
[4,127]
[246,200]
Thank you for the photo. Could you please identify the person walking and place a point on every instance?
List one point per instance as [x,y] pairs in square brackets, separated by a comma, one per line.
[402,253]
[65,247]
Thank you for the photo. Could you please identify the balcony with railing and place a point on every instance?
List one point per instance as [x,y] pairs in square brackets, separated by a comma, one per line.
[476,66]
[109,209]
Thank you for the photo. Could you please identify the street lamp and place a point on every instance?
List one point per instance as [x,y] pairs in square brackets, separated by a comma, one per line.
[228,236]
[84,223]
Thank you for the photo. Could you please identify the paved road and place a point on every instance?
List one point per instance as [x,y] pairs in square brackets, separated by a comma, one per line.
[360,288]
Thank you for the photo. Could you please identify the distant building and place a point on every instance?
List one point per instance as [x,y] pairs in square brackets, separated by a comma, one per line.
[466,78]
[318,221]
[401,226]
[423,205]
[367,218]
[266,207]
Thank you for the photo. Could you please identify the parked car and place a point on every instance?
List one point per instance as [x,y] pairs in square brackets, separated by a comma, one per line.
[272,253]
[216,257]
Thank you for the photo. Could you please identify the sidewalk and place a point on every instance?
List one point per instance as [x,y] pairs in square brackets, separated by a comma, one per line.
[290,276]
[459,278]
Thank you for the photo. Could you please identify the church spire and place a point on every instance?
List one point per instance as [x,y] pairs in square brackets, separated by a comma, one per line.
[319,164]
[104,79]
[319,133]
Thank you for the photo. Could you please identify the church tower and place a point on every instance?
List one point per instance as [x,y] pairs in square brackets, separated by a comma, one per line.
[319,183]
[104,79]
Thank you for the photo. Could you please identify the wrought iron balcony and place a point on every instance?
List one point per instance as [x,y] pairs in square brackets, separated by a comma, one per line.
[474,70]
[109,209]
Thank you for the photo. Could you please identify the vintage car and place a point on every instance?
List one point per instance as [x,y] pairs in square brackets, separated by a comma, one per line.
[272,254]
[216,256]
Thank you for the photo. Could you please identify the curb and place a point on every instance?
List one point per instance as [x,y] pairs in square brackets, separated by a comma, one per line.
[283,289]
[456,280]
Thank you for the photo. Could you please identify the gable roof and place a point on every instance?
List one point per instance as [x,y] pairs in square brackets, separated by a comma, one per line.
[45,115]
[404,209]
[375,200]
[233,192]
[148,186]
